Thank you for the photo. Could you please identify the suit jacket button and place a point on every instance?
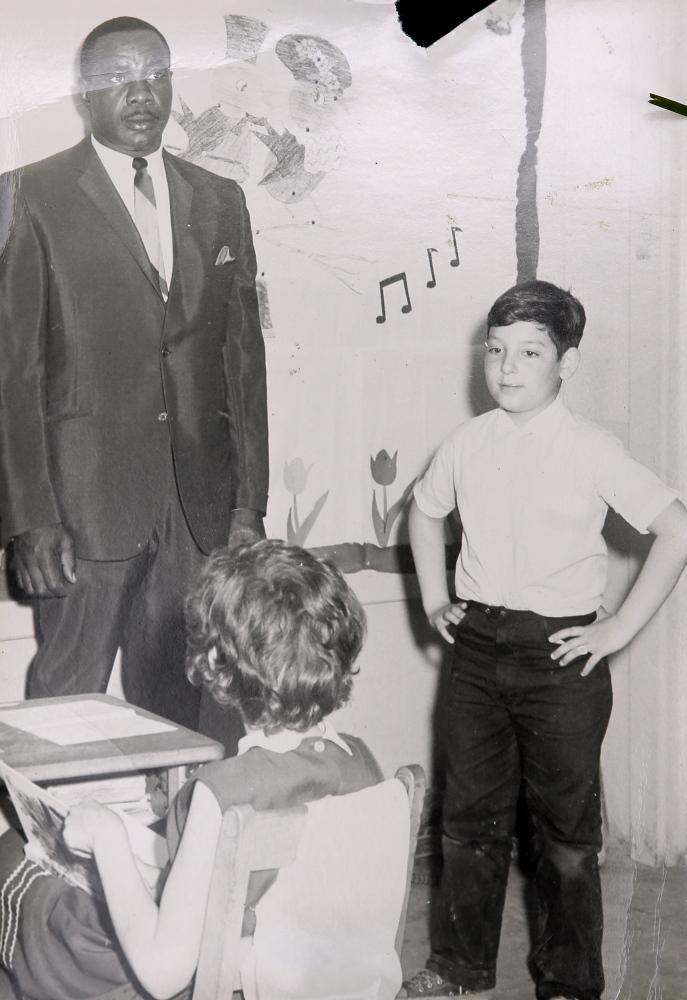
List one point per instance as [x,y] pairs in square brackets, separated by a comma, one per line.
[162,416]
[165,352]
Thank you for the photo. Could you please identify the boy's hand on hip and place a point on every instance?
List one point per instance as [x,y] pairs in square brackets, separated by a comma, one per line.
[597,640]
[447,614]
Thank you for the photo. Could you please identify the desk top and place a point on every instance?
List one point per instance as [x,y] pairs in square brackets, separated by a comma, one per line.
[41,760]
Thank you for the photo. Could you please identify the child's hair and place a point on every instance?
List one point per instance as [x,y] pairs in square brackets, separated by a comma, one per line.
[545,304]
[275,632]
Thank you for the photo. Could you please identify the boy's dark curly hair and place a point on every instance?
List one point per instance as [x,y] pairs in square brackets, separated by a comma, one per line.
[275,632]
[545,304]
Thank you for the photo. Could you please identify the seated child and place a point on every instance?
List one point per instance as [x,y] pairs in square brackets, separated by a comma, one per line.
[530,690]
[276,633]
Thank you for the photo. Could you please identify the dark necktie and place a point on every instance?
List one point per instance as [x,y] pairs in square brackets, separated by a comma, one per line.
[145,217]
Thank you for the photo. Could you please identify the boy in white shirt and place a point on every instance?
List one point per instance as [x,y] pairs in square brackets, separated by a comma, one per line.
[530,694]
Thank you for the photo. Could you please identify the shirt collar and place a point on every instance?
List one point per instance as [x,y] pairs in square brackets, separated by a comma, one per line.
[113,160]
[542,427]
[288,739]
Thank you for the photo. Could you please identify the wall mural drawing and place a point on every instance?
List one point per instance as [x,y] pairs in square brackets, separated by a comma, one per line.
[299,152]
[295,481]
[432,283]
[406,308]
[383,469]
[298,157]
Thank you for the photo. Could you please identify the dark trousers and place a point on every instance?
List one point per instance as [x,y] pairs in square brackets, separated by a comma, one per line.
[518,720]
[136,604]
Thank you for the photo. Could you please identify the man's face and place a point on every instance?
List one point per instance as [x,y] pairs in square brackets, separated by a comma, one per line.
[129,91]
[523,370]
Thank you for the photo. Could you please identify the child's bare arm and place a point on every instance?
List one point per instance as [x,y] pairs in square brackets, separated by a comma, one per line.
[161,944]
[661,571]
[427,543]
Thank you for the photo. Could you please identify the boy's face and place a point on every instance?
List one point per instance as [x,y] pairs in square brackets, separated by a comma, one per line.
[522,369]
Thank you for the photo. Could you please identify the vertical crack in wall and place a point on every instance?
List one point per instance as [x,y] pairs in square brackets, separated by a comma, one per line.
[534,73]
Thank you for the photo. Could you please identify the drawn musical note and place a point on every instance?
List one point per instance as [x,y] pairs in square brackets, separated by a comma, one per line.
[390,281]
[433,282]
[454,230]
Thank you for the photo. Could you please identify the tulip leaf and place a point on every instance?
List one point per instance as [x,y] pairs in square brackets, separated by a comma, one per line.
[303,531]
[397,507]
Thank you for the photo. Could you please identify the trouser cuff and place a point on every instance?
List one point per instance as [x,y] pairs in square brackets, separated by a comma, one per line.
[469,980]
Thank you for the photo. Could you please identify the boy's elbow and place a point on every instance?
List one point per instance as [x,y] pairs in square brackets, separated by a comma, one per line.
[671,525]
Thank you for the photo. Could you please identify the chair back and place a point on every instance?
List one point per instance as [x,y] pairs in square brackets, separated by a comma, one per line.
[331,926]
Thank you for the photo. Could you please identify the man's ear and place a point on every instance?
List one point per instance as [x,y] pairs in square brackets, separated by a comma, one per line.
[569,362]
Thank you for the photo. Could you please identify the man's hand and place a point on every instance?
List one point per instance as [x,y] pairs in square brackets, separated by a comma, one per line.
[246,526]
[447,614]
[43,561]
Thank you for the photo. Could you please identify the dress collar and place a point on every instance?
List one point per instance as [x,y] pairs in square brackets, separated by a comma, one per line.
[289,739]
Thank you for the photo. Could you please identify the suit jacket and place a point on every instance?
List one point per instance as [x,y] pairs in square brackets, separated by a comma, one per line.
[99,377]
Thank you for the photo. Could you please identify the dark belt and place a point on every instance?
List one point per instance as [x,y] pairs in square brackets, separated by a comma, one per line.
[492,611]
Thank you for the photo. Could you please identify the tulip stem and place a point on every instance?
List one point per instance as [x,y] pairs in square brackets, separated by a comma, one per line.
[295,513]
[386,508]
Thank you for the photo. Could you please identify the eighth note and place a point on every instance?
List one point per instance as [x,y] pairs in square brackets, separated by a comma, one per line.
[390,281]
[433,281]
[454,230]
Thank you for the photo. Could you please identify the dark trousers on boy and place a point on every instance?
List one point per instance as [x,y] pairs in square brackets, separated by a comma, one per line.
[517,719]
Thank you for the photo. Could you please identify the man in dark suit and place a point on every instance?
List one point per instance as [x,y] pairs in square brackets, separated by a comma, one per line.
[133,424]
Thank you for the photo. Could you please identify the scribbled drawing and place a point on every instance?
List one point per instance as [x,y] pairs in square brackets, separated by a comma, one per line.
[499,20]
[299,156]
[315,241]
[383,469]
[298,163]
[219,138]
[432,283]
[385,284]
[264,306]
[245,36]
[295,481]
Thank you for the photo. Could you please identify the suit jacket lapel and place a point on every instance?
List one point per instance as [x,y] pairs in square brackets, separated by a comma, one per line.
[96,184]
[187,259]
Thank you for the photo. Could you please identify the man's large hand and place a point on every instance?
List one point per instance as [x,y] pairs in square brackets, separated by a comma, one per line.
[246,526]
[43,561]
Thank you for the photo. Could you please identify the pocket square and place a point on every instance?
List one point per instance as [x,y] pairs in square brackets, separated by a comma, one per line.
[224,256]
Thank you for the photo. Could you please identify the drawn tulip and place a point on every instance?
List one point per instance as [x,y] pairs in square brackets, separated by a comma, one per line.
[295,481]
[296,476]
[383,468]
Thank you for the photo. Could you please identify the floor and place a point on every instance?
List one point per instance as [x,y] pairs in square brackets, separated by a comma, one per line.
[645,940]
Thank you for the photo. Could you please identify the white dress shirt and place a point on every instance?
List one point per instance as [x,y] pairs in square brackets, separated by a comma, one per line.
[122,174]
[532,501]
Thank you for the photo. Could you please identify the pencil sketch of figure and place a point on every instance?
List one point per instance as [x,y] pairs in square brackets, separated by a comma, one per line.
[221,138]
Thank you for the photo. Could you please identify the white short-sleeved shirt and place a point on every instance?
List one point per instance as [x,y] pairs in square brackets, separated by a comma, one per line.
[532,501]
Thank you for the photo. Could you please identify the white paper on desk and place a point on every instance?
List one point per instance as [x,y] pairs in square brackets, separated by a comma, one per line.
[86,721]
